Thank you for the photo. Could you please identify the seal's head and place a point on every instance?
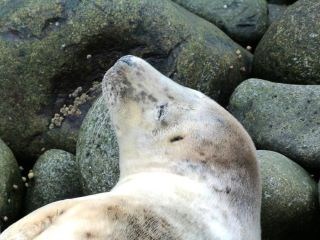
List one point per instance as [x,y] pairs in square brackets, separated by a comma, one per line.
[161,124]
[152,115]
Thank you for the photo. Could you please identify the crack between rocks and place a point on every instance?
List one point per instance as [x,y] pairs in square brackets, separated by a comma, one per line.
[174,52]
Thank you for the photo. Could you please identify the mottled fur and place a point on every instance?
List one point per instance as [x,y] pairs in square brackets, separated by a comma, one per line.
[188,170]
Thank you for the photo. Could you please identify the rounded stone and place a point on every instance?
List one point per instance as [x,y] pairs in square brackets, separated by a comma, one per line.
[56,177]
[97,150]
[48,49]
[11,187]
[289,200]
[289,51]
[281,117]
[244,21]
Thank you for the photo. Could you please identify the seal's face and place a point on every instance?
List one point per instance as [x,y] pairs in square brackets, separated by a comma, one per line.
[157,120]
[148,110]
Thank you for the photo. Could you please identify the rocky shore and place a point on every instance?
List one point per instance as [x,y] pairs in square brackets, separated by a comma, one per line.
[259,59]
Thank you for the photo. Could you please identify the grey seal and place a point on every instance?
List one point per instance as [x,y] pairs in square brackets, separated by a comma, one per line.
[188,169]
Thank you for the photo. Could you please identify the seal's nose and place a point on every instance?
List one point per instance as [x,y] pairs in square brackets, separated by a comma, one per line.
[128,59]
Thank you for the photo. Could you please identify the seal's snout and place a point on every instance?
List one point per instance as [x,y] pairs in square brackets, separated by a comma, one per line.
[128,59]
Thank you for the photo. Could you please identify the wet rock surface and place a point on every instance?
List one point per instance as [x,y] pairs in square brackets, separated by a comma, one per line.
[55,176]
[289,51]
[244,21]
[11,187]
[49,49]
[289,200]
[281,117]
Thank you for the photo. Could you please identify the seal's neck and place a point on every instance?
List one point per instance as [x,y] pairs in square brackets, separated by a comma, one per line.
[174,191]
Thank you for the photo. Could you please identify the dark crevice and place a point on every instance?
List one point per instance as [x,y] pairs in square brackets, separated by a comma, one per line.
[14,34]
[245,25]
[172,57]
[51,24]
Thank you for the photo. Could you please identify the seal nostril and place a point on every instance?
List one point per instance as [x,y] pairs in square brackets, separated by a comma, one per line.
[176,138]
[127,59]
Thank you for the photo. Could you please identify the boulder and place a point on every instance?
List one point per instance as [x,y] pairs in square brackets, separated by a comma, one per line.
[244,21]
[49,50]
[289,51]
[55,176]
[275,12]
[289,200]
[11,187]
[281,117]
[97,150]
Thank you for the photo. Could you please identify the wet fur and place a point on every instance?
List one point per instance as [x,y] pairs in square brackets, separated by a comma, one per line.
[188,170]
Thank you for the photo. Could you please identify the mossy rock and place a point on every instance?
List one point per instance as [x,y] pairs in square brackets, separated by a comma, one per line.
[244,21]
[98,151]
[281,117]
[289,51]
[56,177]
[11,187]
[289,201]
[49,48]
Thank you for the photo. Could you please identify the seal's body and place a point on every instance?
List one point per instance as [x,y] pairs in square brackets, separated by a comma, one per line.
[187,170]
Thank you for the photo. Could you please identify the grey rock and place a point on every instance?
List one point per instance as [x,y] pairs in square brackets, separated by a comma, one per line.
[289,51]
[56,177]
[244,21]
[97,150]
[11,187]
[275,12]
[289,200]
[49,48]
[281,117]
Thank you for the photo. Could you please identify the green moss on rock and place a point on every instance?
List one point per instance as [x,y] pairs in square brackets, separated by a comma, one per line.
[44,49]
[11,187]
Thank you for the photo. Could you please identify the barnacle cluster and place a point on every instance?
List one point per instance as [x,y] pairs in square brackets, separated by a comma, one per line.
[79,97]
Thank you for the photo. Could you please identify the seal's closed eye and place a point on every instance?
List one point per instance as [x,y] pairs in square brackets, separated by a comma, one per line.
[161,111]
